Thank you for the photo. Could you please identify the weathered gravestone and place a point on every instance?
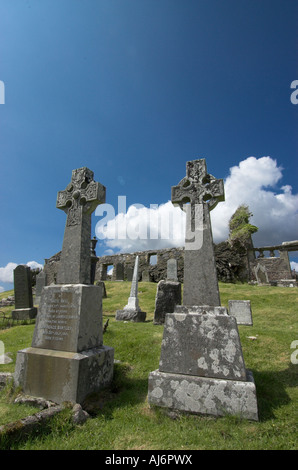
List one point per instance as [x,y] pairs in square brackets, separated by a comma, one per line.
[168,295]
[41,281]
[67,360]
[145,275]
[241,310]
[132,311]
[201,367]
[172,270]
[24,308]
[261,274]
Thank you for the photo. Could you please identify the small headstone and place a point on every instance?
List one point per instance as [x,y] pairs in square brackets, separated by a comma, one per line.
[132,311]
[67,360]
[41,281]
[145,275]
[24,308]
[102,285]
[261,274]
[172,270]
[168,295]
[241,310]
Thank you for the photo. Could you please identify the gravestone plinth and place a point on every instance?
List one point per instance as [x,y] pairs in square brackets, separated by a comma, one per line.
[201,367]
[24,308]
[67,360]
[204,395]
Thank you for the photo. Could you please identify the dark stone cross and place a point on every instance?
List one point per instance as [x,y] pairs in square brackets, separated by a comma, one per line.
[203,192]
[78,201]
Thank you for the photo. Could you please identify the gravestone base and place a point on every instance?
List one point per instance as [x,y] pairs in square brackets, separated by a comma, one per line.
[24,313]
[130,315]
[62,376]
[203,395]
[201,367]
[67,359]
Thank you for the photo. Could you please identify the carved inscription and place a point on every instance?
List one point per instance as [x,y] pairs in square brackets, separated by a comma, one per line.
[57,328]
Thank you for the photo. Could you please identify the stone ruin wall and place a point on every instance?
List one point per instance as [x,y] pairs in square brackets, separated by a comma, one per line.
[273,268]
[253,266]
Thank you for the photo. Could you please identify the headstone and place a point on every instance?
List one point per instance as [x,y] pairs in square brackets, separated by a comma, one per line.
[241,310]
[261,274]
[24,308]
[168,295]
[145,275]
[102,285]
[132,311]
[201,368]
[172,270]
[41,281]
[67,360]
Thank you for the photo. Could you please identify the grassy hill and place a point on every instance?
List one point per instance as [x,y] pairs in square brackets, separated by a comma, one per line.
[121,416]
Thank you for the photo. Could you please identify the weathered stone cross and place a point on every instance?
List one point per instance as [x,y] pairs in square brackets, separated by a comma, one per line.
[78,201]
[203,192]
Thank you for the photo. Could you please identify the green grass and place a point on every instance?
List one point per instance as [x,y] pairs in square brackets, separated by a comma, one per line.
[121,416]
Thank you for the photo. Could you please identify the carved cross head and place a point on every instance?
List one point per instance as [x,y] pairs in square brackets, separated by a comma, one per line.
[81,196]
[198,187]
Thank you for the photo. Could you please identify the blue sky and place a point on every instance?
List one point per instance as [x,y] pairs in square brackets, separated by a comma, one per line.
[133,89]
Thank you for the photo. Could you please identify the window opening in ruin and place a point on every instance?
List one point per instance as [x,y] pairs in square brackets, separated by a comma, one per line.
[153,260]
[110,268]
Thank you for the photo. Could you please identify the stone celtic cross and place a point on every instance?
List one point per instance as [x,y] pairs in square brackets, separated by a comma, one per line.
[198,187]
[203,191]
[78,201]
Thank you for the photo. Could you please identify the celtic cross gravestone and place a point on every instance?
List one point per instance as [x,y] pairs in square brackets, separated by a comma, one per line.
[201,367]
[203,192]
[67,359]
[78,201]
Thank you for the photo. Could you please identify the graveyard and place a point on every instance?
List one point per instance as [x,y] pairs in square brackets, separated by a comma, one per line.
[141,366]
[121,418]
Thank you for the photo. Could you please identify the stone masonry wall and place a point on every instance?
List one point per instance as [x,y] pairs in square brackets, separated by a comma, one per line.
[231,266]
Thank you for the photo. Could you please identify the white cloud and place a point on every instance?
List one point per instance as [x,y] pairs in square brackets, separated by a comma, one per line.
[253,182]
[6,273]
[34,265]
[142,228]
[2,289]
